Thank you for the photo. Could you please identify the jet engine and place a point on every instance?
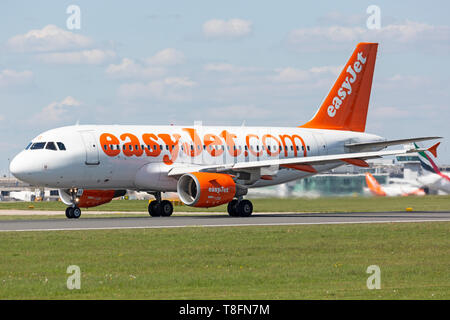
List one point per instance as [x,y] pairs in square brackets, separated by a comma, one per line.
[205,189]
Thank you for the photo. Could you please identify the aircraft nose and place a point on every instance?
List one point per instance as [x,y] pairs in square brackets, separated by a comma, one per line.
[19,167]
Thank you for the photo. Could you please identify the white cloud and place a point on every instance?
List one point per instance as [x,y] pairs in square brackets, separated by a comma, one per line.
[56,111]
[238,112]
[154,66]
[166,57]
[227,67]
[290,74]
[49,38]
[388,111]
[10,78]
[168,89]
[127,68]
[233,28]
[394,36]
[94,56]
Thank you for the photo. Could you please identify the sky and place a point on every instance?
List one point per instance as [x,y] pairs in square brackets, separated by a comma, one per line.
[262,63]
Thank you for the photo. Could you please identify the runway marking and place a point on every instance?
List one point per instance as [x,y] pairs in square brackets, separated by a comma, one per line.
[232,225]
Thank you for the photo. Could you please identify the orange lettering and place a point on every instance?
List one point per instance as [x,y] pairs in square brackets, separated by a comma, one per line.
[292,138]
[133,147]
[211,141]
[267,147]
[173,151]
[106,141]
[247,139]
[196,148]
[152,145]
[230,143]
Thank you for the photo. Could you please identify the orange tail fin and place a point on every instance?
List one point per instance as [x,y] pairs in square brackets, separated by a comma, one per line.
[345,107]
[374,186]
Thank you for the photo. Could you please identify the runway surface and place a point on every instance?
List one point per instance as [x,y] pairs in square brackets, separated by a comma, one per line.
[220,220]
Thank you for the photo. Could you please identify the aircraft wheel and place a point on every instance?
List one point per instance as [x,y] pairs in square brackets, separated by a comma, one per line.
[244,208]
[69,212]
[76,213]
[166,208]
[154,209]
[231,208]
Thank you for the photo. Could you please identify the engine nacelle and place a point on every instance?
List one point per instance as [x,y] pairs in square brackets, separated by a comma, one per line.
[89,198]
[205,189]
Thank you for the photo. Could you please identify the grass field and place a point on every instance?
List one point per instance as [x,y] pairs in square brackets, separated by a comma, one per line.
[332,204]
[279,262]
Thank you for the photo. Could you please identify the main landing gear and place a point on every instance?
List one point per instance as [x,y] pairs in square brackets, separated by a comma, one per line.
[160,208]
[240,208]
[73,212]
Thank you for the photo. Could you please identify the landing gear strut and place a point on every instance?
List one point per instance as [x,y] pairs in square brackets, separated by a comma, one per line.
[160,208]
[240,208]
[73,212]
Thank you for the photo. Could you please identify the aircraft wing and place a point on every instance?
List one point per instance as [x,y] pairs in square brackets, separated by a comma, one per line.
[295,163]
[357,146]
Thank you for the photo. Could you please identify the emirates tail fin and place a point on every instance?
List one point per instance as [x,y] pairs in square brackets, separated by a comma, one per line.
[346,105]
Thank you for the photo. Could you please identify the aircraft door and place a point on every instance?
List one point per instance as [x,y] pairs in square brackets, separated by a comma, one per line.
[91,147]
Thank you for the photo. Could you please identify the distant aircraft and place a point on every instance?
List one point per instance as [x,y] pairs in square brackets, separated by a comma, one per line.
[208,166]
[398,188]
[433,178]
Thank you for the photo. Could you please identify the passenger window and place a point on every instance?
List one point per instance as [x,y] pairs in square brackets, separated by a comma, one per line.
[38,145]
[61,146]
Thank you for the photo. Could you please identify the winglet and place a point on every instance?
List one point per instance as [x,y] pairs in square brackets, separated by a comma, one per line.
[433,149]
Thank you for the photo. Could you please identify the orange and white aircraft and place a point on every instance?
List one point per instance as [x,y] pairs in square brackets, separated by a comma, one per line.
[207,166]
[399,187]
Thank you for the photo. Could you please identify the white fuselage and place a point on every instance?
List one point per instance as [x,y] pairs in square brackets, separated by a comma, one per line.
[139,157]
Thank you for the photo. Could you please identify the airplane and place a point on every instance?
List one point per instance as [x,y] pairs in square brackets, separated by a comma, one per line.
[208,165]
[434,179]
[398,188]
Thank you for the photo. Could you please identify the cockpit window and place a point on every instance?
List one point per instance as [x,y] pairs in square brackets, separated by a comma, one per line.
[61,146]
[28,146]
[38,145]
[51,146]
